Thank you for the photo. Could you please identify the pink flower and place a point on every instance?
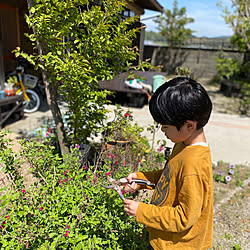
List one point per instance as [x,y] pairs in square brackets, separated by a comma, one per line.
[78,146]
[60,182]
[94,179]
[123,192]
[41,208]
[128,114]
[117,163]
[24,191]
[85,167]
[114,156]
[43,193]
[64,173]
[125,163]
[67,234]
[7,216]
[47,134]
[107,174]
[1,179]
[64,180]
[109,155]
[139,160]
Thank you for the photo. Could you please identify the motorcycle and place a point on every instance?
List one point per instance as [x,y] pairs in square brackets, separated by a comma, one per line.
[27,85]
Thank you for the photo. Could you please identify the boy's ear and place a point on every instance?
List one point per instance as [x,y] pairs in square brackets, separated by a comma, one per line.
[191,125]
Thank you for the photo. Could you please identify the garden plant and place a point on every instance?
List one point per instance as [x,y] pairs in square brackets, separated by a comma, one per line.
[77,44]
[65,207]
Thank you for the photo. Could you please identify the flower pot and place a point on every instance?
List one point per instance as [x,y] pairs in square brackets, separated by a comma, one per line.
[118,143]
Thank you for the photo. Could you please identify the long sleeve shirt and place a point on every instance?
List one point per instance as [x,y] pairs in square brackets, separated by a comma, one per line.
[180,215]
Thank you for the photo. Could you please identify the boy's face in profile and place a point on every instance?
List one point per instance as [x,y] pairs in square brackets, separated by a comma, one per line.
[182,135]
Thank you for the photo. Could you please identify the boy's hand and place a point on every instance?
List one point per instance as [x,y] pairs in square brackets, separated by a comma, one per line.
[131,188]
[130,207]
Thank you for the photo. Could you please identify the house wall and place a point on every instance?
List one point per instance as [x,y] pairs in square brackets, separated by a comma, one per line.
[13,27]
[201,62]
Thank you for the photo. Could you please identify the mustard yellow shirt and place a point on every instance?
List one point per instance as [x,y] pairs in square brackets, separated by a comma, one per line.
[180,215]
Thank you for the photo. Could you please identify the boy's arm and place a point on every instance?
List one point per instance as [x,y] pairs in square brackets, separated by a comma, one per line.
[152,176]
[192,199]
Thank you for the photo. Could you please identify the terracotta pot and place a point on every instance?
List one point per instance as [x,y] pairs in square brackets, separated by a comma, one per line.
[117,142]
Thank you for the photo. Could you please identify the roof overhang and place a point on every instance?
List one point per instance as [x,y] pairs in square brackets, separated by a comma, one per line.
[149,5]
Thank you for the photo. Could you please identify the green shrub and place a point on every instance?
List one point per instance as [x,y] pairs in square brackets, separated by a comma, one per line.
[65,209]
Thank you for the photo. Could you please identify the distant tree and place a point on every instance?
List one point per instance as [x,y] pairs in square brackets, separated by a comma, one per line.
[172,25]
[154,36]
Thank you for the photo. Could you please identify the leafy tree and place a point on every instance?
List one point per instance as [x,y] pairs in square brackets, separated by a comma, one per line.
[239,21]
[172,25]
[78,44]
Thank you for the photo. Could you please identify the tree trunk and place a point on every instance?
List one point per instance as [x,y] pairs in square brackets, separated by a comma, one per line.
[51,98]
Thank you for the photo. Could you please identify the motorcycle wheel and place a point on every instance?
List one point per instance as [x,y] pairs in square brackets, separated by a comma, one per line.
[34,103]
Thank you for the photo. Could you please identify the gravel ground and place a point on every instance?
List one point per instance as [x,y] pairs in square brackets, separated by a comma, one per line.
[231,222]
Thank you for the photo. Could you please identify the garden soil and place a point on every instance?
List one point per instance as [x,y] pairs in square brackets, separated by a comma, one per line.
[228,134]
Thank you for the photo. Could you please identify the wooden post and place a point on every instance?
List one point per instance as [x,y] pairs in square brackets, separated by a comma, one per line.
[1,62]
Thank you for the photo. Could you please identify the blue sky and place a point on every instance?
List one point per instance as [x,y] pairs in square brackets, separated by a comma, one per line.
[208,21]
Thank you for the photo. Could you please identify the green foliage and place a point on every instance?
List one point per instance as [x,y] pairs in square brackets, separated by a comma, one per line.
[230,175]
[232,69]
[11,160]
[227,67]
[238,20]
[245,100]
[236,247]
[172,25]
[81,44]
[181,71]
[65,208]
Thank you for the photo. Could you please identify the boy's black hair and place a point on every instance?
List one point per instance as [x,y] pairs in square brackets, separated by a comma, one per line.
[179,100]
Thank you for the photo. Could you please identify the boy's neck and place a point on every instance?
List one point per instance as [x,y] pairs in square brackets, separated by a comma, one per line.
[197,136]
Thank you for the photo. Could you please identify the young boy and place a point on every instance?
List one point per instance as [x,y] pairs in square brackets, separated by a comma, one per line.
[180,215]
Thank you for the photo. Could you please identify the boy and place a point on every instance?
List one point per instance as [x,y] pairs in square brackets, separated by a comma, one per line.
[180,215]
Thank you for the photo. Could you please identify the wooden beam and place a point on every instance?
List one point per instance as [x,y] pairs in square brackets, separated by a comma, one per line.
[1,62]
[136,8]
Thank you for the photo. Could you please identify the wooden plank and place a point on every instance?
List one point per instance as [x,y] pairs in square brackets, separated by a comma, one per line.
[11,99]
[8,114]
[15,103]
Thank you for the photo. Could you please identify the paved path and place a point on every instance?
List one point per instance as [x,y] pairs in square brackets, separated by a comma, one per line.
[228,135]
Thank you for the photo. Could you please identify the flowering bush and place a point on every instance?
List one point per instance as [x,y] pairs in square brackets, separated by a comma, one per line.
[64,208]
[135,153]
